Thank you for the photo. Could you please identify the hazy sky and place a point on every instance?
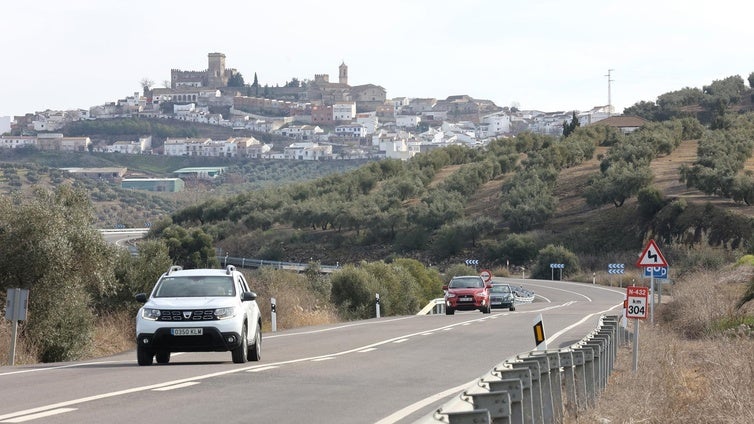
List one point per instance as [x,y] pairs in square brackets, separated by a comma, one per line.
[535,54]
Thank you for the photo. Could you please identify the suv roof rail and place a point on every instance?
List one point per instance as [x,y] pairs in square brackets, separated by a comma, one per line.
[229,269]
[174,268]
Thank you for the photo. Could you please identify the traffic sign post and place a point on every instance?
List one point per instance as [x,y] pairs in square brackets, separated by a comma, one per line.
[553,267]
[636,308]
[16,305]
[616,269]
[651,257]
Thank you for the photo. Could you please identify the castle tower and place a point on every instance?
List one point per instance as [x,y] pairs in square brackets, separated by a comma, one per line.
[216,76]
[343,74]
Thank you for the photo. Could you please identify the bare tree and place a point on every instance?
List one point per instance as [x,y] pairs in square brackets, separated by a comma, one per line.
[146,84]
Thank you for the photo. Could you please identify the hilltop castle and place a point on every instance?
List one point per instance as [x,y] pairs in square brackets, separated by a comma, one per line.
[215,76]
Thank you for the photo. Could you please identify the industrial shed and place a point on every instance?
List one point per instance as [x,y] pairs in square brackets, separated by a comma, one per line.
[169,185]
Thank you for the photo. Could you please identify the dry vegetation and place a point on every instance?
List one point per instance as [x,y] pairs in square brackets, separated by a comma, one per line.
[696,365]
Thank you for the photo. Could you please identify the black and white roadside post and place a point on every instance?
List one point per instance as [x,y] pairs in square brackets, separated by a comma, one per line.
[15,310]
[377,303]
[274,314]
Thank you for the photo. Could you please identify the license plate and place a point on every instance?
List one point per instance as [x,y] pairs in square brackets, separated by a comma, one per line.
[466,299]
[186,331]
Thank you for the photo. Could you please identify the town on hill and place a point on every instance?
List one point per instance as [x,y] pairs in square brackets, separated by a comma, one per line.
[320,119]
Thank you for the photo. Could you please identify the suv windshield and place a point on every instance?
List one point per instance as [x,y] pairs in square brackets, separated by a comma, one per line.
[195,286]
[466,283]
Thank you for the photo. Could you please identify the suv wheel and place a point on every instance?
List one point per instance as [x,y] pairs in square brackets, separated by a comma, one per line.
[239,353]
[449,311]
[512,308]
[144,355]
[255,350]
[162,356]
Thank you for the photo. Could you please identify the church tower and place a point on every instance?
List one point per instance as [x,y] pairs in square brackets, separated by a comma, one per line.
[343,75]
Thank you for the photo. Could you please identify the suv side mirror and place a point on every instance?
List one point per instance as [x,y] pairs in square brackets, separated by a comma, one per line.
[248,296]
[141,297]
[445,287]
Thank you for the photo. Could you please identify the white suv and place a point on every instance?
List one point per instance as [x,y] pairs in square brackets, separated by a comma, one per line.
[199,310]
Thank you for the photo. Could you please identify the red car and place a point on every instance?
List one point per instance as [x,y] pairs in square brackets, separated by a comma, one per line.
[467,293]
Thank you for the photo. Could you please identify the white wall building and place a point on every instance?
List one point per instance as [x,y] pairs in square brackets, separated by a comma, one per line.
[308,151]
[369,121]
[498,123]
[407,121]
[344,111]
[351,131]
[16,142]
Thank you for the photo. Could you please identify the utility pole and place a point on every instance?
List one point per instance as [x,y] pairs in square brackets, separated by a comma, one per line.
[609,95]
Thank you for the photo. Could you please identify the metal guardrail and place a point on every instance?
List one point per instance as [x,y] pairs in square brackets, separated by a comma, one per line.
[259,263]
[540,387]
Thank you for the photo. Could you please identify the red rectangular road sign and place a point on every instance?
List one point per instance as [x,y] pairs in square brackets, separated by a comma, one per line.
[636,302]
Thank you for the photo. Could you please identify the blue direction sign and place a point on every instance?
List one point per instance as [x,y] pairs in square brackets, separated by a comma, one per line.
[656,272]
[616,268]
[557,266]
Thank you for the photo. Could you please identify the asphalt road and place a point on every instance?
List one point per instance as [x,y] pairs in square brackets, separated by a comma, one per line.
[392,369]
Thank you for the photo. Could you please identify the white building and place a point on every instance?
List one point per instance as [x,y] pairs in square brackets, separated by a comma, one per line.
[184,146]
[131,147]
[497,124]
[344,111]
[351,131]
[407,121]
[369,121]
[308,151]
[16,142]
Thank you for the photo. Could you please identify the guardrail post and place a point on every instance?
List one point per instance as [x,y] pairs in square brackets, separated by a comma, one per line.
[600,360]
[545,383]
[556,385]
[518,383]
[536,387]
[515,389]
[498,403]
[597,368]
[570,402]
[588,384]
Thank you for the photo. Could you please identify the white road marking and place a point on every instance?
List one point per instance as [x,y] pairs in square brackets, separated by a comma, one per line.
[176,386]
[79,401]
[39,415]
[400,341]
[260,369]
[60,367]
[367,350]
[327,358]
[436,397]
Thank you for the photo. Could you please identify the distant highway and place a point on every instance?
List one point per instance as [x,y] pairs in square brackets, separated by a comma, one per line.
[121,236]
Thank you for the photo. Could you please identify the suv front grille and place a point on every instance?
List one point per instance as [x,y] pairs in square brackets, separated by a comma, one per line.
[187,315]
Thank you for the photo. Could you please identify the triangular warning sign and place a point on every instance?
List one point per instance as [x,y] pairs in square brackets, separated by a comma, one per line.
[651,256]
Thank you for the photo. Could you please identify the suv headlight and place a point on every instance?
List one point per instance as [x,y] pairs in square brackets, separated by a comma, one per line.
[225,313]
[150,314]
[449,295]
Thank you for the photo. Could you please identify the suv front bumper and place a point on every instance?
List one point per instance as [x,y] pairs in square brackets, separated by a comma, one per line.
[211,340]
